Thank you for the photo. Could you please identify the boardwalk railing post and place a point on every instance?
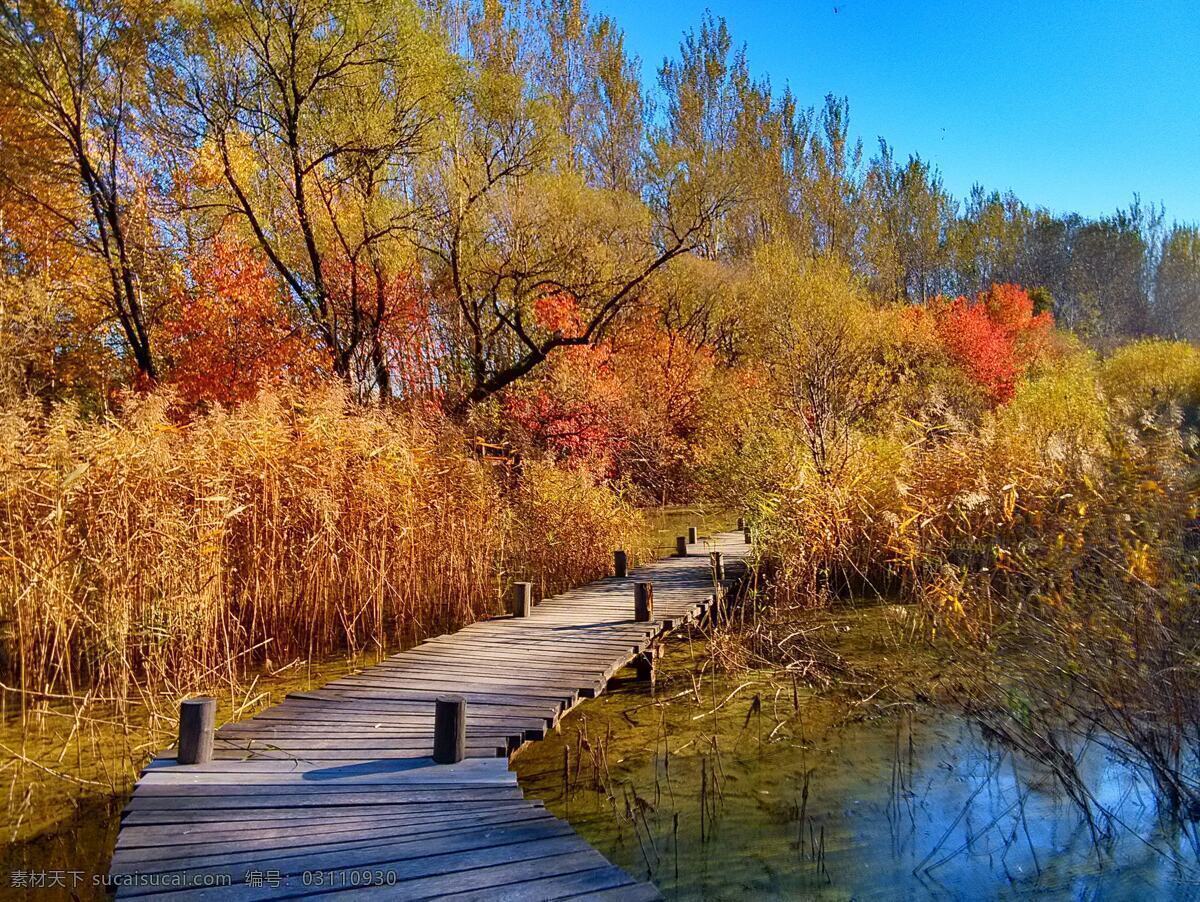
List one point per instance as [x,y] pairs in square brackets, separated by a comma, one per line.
[681,546]
[197,722]
[718,567]
[643,602]
[522,599]
[644,666]
[449,729]
[741,523]
[746,534]
[621,563]
[693,535]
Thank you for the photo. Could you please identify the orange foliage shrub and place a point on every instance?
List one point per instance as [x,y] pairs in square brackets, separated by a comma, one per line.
[558,312]
[629,406]
[573,412]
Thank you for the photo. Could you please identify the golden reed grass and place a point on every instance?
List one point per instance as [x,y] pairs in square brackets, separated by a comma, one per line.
[138,554]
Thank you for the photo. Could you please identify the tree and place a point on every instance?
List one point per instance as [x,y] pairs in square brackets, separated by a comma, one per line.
[306,119]
[994,337]
[909,216]
[987,239]
[1108,278]
[77,74]
[505,228]
[579,64]
[232,330]
[1177,284]
[833,182]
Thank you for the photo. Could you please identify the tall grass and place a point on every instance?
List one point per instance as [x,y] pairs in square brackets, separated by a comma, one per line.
[141,554]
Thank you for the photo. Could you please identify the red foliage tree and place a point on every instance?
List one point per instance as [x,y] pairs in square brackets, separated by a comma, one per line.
[993,338]
[558,312]
[629,405]
[574,410]
[231,330]
[392,312]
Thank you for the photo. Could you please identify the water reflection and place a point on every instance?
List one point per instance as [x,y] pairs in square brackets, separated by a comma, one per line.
[912,805]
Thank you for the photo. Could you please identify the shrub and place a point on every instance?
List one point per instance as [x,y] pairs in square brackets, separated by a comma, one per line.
[565,526]
[1154,372]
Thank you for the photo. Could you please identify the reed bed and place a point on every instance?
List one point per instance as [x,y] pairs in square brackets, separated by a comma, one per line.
[140,554]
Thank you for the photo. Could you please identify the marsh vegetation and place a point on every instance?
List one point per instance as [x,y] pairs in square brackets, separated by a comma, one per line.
[323,321]
[854,773]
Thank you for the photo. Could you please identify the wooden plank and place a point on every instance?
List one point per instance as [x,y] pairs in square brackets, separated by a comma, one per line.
[224,816]
[164,836]
[485,693]
[446,855]
[591,883]
[489,879]
[236,844]
[356,701]
[568,683]
[436,663]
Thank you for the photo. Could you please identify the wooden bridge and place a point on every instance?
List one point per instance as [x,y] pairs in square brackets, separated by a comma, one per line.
[336,790]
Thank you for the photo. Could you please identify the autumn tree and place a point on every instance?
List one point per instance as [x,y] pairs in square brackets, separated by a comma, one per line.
[232,329]
[908,217]
[305,119]
[76,77]
[505,228]
[994,337]
[579,64]
[823,348]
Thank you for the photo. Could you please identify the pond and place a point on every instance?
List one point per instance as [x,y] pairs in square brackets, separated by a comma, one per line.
[784,793]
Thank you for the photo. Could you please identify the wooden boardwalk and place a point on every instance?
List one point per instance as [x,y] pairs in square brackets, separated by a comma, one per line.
[334,791]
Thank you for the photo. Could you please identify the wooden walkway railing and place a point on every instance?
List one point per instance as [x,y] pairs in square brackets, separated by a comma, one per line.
[336,790]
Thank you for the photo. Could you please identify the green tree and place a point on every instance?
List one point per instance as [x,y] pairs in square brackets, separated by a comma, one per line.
[1177,284]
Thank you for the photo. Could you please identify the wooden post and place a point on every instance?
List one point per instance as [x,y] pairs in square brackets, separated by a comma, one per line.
[718,567]
[644,665]
[522,599]
[746,534]
[681,546]
[197,721]
[621,563]
[449,729]
[741,523]
[643,602]
[693,535]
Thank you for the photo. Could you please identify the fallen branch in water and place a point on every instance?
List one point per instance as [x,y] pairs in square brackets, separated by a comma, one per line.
[722,705]
[24,760]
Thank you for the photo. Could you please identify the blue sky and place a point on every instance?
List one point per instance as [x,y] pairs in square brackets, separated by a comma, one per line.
[1073,105]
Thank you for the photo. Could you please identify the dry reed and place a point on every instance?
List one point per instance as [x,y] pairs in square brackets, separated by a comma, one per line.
[139,554]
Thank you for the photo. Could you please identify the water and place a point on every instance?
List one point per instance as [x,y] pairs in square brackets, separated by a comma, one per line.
[900,805]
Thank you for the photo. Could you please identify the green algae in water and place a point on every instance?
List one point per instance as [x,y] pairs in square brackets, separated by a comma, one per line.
[761,800]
